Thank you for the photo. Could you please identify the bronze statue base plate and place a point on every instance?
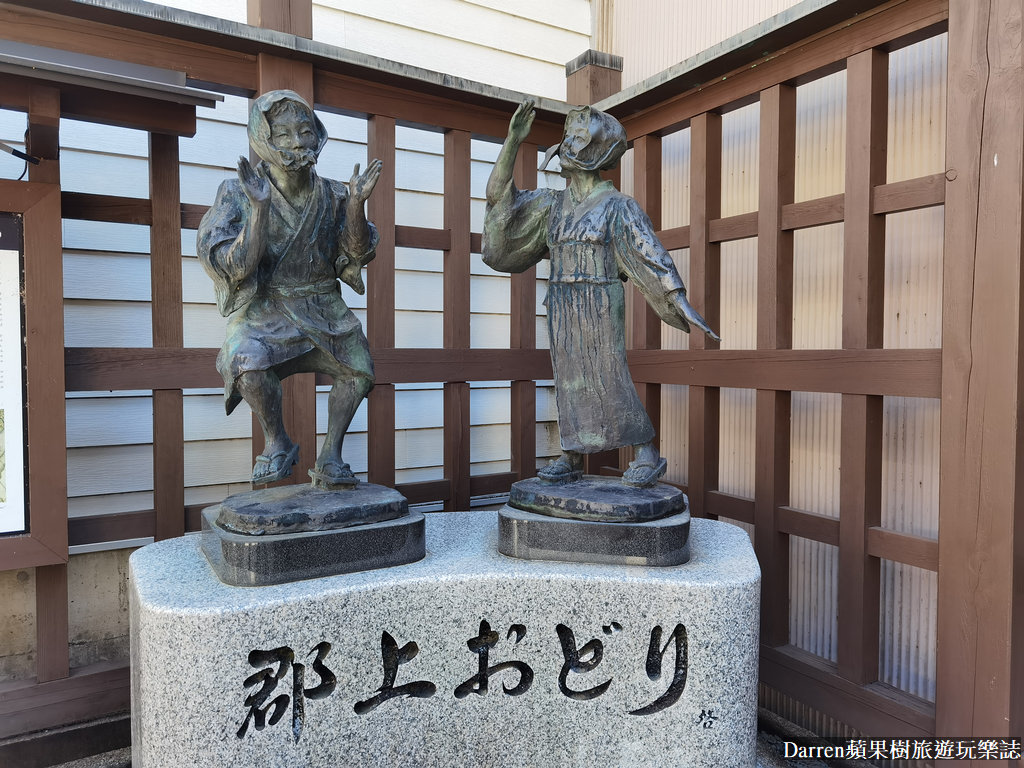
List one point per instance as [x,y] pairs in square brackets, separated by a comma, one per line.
[290,533]
[658,543]
[598,499]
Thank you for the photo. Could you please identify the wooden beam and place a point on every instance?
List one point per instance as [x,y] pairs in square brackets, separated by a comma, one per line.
[808,525]
[705,295]
[380,301]
[95,369]
[456,313]
[917,551]
[168,323]
[422,237]
[675,238]
[813,213]
[733,228]
[94,691]
[902,372]
[523,335]
[875,709]
[909,195]
[731,506]
[205,63]
[860,482]
[980,624]
[120,210]
[410,105]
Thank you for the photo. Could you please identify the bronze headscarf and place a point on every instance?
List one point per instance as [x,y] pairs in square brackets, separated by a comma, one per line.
[259,123]
[593,140]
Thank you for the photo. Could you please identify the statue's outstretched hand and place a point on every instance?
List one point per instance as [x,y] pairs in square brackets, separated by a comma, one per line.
[521,122]
[255,183]
[691,316]
[361,184]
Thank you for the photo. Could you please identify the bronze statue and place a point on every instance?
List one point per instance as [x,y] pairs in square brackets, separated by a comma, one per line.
[276,241]
[597,238]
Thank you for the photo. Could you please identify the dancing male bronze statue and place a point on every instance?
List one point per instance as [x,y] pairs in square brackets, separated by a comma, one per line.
[275,242]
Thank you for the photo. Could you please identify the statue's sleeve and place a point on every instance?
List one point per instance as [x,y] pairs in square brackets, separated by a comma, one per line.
[218,230]
[643,259]
[357,244]
[515,229]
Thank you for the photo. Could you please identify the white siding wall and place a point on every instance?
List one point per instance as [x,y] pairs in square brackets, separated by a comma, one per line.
[518,44]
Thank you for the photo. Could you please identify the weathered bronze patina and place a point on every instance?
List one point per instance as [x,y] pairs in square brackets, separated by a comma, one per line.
[597,238]
[275,243]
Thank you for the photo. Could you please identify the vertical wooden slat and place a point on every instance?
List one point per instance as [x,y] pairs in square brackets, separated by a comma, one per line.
[292,16]
[45,411]
[456,313]
[380,300]
[524,336]
[705,296]
[587,85]
[299,391]
[644,325]
[861,416]
[980,625]
[774,331]
[165,280]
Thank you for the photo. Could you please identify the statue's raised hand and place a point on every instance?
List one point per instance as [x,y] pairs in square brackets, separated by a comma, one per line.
[255,183]
[361,184]
[521,122]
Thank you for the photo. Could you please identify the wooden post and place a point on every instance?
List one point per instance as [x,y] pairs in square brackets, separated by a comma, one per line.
[52,650]
[643,323]
[980,629]
[861,419]
[590,77]
[774,331]
[705,296]
[524,336]
[456,314]
[165,281]
[274,72]
[292,16]
[380,301]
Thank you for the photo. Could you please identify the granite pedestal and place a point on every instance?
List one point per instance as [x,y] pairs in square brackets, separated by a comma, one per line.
[293,532]
[466,657]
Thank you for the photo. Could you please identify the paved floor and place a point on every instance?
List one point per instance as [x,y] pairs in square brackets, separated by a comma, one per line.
[767,757]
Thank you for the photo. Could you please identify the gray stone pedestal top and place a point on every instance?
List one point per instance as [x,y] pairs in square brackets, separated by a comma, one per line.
[464,658]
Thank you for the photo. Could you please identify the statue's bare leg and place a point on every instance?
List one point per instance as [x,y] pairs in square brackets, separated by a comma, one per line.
[346,394]
[262,391]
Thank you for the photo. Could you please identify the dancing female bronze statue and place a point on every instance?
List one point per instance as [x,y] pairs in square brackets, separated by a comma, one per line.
[597,238]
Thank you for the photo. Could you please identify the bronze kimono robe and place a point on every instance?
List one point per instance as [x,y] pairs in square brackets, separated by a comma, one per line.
[595,245]
[292,302]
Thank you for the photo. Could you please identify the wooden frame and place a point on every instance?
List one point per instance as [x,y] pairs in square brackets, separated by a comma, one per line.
[46,543]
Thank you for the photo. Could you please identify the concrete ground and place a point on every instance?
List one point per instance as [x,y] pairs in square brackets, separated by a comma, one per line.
[768,751]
